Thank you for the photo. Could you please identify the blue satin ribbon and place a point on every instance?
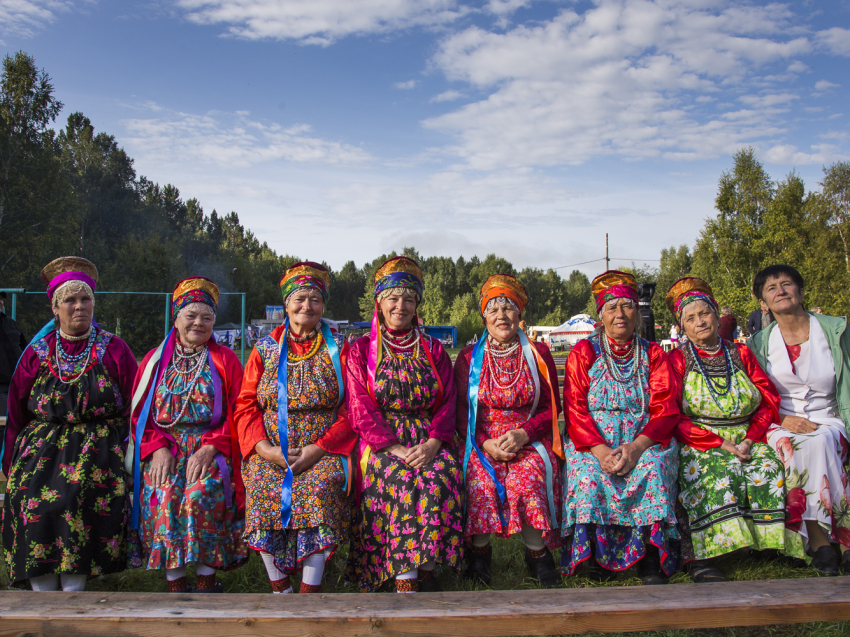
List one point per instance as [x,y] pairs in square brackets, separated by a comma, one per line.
[283,427]
[333,350]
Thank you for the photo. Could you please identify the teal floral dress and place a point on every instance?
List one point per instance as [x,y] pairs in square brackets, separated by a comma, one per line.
[65,508]
[729,504]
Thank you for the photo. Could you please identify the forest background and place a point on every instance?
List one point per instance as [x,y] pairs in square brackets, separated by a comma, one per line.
[75,191]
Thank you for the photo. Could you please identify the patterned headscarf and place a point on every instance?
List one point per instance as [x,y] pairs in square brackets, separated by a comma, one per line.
[306,274]
[196,289]
[69,274]
[612,285]
[685,291]
[399,273]
[502,286]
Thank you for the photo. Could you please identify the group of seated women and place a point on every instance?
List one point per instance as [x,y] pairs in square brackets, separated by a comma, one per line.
[667,460]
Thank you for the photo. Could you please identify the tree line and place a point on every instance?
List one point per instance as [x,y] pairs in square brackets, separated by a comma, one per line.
[75,191]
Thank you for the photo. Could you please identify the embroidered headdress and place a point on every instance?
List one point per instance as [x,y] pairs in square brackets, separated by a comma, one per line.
[612,285]
[306,274]
[503,286]
[196,289]
[686,291]
[69,274]
[398,273]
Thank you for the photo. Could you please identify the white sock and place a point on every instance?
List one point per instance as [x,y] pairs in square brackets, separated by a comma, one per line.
[428,566]
[73,583]
[45,582]
[274,574]
[172,574]
[480,540]
[203,569]
[533,538]
[314,567]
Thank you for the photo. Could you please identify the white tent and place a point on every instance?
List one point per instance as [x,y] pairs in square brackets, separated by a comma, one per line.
[578,327]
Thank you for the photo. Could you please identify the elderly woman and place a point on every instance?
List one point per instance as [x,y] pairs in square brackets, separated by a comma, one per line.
[731,484]
[621,458]
[188,494]
[507,407]
[295,437]
[402,401]
[806,356]
[64,516]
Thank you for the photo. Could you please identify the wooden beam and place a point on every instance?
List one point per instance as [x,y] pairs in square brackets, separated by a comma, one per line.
[485,613]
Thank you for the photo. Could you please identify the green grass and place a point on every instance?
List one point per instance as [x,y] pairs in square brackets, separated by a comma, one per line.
[509,573]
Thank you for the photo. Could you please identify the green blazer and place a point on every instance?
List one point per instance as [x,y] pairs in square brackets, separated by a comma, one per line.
[838,336]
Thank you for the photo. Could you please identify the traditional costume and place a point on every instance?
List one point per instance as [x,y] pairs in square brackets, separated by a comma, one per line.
[297,522]
[183,399]
[401,391]
[612,395]
[726,395]
[501,388]
[69,405]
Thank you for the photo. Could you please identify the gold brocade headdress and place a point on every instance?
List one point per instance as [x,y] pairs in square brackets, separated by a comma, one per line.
[399,272]
[613,284]
[503,285]
[196,289]
[686,291]
[305,274]
[63,270]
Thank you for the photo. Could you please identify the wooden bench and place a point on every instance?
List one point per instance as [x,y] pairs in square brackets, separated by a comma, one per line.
[529,612]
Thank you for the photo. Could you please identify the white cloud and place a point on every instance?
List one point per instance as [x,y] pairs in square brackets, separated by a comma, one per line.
[787,154]
[835,40]
[448,96]
[23,18]
[624,78]
[318,21]
[231,140]
[405,86]
[797,67]
[823,85]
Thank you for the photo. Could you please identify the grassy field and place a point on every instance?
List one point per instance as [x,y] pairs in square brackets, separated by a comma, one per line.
[509,573]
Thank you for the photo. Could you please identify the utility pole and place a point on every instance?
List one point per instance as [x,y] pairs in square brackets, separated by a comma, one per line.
[607,260]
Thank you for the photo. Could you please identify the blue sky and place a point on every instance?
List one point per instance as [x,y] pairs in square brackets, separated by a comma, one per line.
[343,129]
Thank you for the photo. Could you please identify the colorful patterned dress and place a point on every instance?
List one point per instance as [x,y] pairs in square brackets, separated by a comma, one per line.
[524,477]
[182,523]
[610,516]
[321,508]
[65,506]
[407,516]
[730,504]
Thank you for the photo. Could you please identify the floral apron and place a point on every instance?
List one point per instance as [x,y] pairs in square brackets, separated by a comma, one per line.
[65,507]
[408,516]
[611,516]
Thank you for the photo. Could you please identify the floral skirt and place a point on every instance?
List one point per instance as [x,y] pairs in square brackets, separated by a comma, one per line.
[616,517]
[182,523]
[321,510]
[527,503]
[407,516]
[732,505]
[65,507]
[816,479]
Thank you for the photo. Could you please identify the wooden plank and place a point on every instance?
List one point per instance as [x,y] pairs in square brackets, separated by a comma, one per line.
[535,612]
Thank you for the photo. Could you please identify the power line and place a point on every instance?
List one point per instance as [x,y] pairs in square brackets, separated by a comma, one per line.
[572,265]
[625,259]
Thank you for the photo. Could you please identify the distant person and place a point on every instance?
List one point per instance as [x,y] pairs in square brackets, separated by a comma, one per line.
[189,500]
[514,436]
[807,356]
[674,334]
[64,515]
[728,324]
[759,319]
[817,310]
[12,344]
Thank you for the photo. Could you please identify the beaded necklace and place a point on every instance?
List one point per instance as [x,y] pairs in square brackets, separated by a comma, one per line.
[715,389]
[495,354]
[298,361]
[67,358]
[400,344]
[74,339]
[196,360]
[624,368]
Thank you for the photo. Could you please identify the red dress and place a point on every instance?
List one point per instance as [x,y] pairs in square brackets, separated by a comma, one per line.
[524,477]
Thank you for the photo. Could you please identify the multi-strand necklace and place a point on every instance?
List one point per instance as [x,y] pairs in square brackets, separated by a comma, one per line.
[400,344]
[625,368]
[192,362]
[297,362]
[497,359]
[71,359]
[715,389]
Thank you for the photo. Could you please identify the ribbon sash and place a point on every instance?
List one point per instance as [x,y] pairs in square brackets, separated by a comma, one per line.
[283,426]
[333,350]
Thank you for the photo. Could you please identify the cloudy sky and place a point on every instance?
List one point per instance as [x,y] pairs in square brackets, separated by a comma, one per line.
[342,129]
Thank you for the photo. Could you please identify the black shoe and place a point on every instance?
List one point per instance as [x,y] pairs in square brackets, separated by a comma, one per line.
[594,571]
[218,588]
[702,572]
[479,565]
[825,561]
[429,585]
[649,568]
[543,569]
